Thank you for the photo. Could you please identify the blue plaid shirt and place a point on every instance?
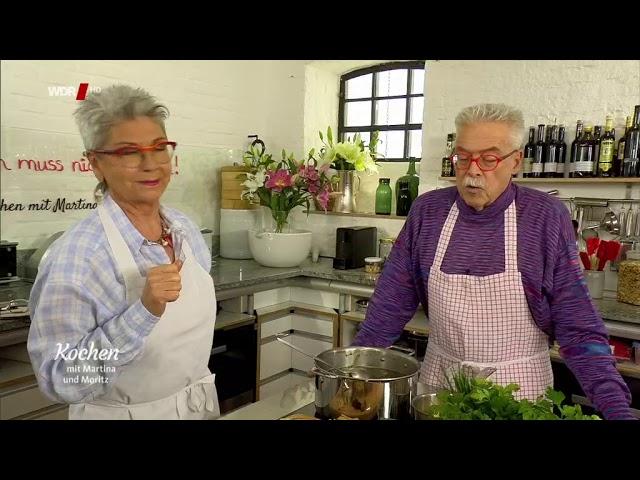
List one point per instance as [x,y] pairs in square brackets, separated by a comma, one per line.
[78,303]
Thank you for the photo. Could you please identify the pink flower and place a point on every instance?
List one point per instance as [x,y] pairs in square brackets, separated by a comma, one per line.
[309,172]
[313,187]
[323,199]
[279,181]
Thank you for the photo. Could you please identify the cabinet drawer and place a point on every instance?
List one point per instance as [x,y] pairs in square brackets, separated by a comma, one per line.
[271,297]
[315,297]
[274,358]
[278,325]
[25,401]
[310,345]
[312,324]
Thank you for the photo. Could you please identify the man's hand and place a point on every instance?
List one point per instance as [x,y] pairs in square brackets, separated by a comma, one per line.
[163,285]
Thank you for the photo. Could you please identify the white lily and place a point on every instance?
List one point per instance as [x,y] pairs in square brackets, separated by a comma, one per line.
[255,181]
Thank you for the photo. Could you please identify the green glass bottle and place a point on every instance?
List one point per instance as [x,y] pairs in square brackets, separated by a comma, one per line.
[412,178]
[383,197]
[404,199]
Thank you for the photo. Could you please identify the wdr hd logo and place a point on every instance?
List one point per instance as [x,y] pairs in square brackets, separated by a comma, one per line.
[80,93]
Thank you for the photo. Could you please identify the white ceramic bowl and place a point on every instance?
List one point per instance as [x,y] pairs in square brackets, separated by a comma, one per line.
[280,249]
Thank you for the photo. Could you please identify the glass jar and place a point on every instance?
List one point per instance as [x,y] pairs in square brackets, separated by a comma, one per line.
[384,249]
[629,278]
[373,265]
[383,197]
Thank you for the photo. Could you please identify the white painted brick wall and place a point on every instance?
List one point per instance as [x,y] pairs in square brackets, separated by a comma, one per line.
[214,105]
[544,89]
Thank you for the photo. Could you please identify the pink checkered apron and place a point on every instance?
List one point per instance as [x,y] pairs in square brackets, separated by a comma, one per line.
[485,322]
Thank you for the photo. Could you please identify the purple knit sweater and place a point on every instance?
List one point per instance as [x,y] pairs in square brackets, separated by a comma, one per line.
[547,259]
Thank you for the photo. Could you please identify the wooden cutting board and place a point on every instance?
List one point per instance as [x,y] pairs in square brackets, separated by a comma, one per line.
[231,188]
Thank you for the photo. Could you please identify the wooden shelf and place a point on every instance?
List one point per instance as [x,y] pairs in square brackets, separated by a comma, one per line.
[355,214]
[621,181]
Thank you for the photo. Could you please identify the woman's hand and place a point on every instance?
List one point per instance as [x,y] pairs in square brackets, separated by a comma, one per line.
[163,285]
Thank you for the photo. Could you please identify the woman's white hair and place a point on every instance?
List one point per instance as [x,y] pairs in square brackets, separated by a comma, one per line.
[100,111]
[494,112]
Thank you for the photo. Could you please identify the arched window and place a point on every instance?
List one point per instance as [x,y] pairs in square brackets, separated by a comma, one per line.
[389,98]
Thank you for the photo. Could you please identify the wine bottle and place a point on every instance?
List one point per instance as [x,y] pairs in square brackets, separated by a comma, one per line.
[574,149]
[537,168]
[605,159]
[562,153]
[584,160]
[631,162]
[529,149]
[551,153]
[597,134]
[619,157]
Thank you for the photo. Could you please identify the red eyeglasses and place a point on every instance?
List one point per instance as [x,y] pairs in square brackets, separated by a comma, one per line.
[131,155]
[486,162]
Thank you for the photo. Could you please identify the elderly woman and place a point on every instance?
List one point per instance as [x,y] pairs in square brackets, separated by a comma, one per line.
[123,308]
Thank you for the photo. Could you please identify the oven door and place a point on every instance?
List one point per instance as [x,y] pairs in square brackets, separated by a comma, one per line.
[233,360]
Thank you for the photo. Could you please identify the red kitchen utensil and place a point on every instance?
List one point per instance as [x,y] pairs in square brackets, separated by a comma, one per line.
[585,260]
[602,254]
[592,245]
[613,250]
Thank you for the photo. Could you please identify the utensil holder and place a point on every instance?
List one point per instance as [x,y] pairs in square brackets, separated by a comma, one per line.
[595,282]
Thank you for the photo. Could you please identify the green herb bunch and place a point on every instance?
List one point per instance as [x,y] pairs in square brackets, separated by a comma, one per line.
[470,398]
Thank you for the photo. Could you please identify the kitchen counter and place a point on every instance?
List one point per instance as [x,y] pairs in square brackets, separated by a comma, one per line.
[298,399]
[230,275]
[612,309]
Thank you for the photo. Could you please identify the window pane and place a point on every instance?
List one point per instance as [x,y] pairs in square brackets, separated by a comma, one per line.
[391,112]
[417,81]
[359,87]
[391,82]
[391,144]
[357,114]
[365,136]
[415,143]
[417,107]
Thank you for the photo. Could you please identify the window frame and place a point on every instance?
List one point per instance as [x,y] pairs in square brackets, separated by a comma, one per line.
[407,127]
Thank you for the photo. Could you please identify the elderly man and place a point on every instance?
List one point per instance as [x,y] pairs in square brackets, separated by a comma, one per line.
[496,268]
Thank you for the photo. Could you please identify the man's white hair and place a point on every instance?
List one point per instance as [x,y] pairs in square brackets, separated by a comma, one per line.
[494,112]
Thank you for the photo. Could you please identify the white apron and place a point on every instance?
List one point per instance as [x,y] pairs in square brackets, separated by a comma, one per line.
[170,379]
[485,322]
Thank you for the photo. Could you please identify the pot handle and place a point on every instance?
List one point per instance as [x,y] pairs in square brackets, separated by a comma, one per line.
[408,351]
[324,373]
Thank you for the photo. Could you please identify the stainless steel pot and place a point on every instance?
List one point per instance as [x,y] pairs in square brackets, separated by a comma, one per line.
[380,383]
[422,405]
